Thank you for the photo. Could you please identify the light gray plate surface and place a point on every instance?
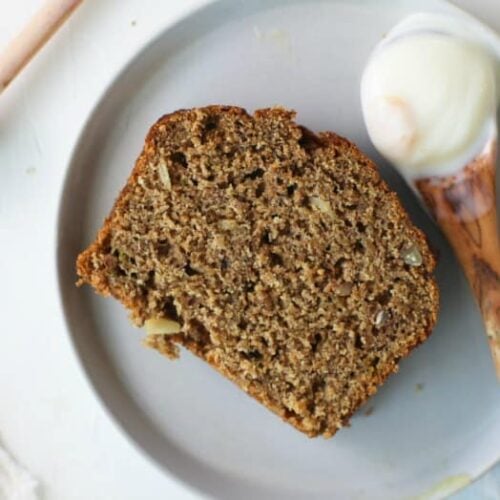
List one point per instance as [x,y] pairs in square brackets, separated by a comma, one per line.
[434,425]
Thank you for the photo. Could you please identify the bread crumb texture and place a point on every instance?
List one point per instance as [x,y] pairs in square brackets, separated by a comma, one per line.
[282,256]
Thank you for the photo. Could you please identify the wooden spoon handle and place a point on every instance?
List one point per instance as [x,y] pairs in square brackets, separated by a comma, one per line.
[34,35]
[464,206]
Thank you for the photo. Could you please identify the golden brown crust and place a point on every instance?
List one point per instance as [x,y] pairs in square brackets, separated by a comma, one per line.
[315,407]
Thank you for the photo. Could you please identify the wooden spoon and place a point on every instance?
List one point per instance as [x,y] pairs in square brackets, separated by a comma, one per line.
[464,206]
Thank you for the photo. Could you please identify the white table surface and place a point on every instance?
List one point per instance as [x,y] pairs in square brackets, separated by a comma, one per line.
[49,418]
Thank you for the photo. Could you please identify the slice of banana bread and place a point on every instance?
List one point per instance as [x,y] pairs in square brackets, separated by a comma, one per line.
[278,256]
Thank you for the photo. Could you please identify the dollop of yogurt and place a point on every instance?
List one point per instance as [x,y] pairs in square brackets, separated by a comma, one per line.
[429,94]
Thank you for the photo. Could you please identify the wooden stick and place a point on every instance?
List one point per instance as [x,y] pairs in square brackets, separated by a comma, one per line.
[464,206]
[34,35]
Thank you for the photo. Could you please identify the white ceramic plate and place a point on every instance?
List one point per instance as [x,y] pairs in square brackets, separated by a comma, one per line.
[432,428]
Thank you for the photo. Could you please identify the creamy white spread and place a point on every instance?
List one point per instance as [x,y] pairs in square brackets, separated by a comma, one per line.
[429,96]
